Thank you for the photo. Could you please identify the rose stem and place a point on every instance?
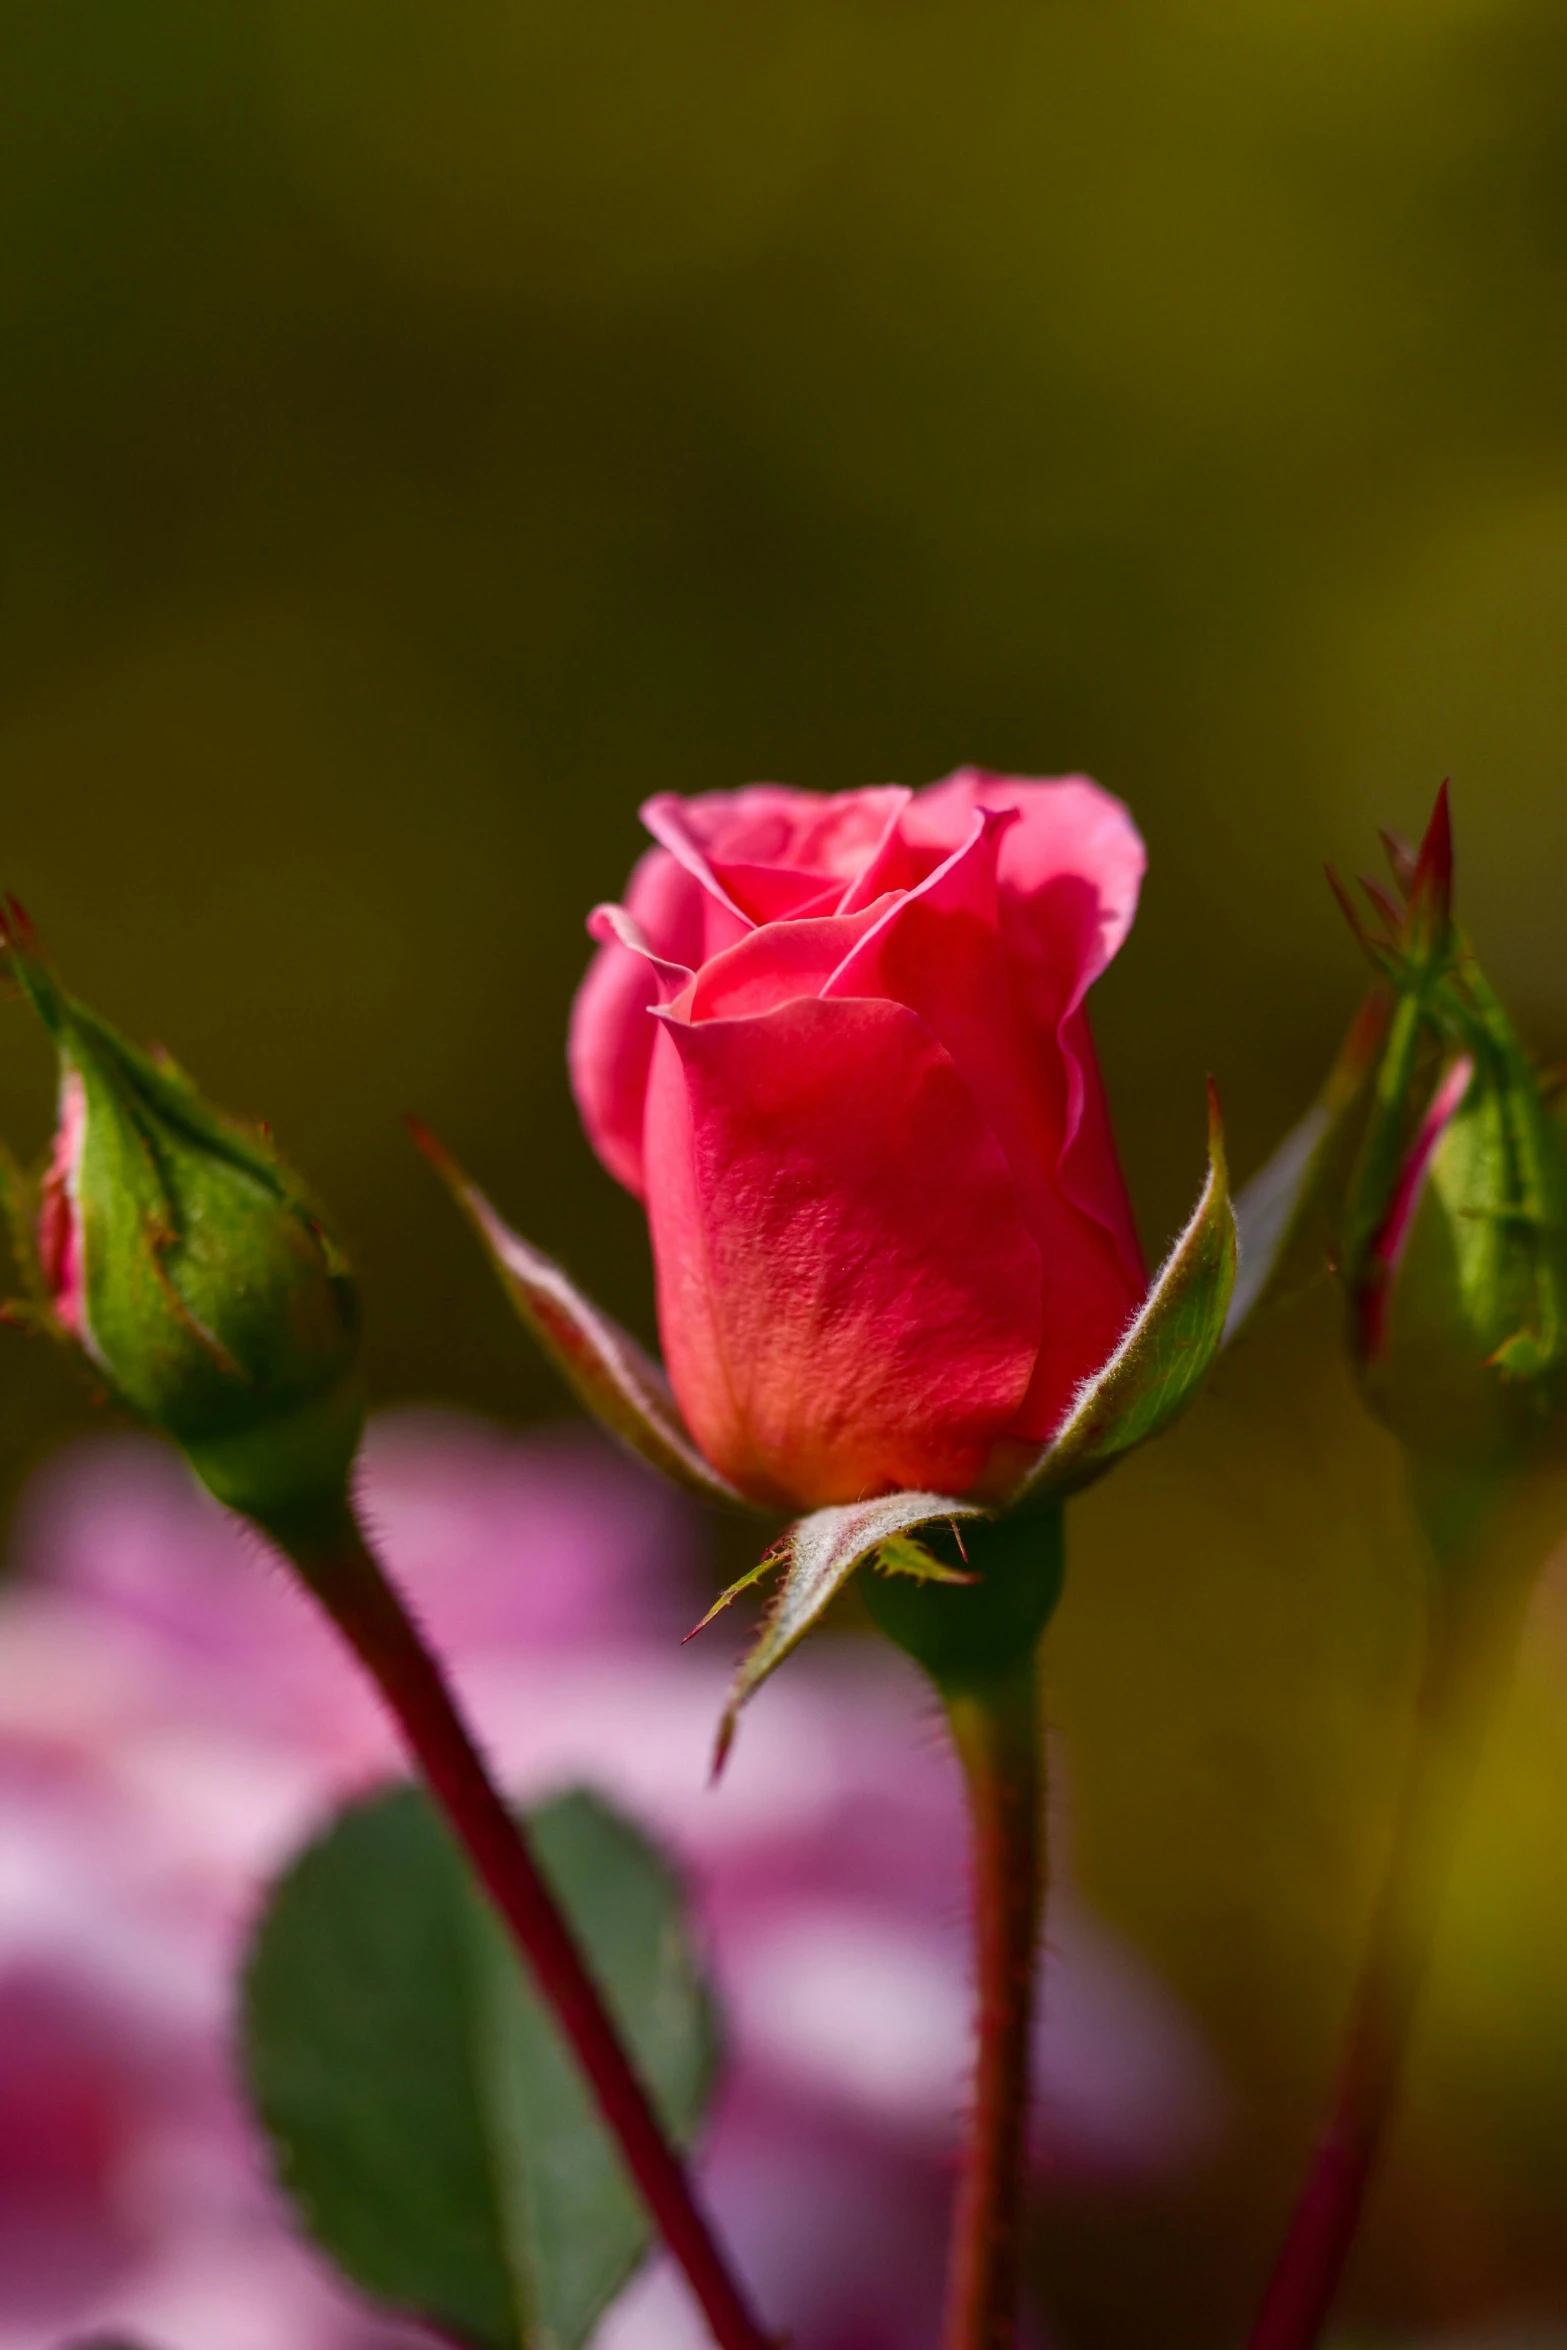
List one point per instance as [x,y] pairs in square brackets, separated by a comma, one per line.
[356,1594]
[996,1732]
[1472,1630]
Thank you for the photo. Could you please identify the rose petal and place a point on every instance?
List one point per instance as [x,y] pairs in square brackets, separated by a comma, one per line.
[940,950]
[59,1214]
[613,925]
[771,853]
[610,1045]
[776,965]
[849,1297]
[1069,875]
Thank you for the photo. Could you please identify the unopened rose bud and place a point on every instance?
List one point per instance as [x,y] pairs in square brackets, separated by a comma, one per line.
[189,1263]
[1451,1234]
[839,1046]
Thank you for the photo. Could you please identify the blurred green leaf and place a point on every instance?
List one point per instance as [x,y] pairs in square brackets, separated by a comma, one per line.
[432,2130]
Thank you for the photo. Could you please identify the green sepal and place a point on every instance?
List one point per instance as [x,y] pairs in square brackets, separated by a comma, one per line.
[608,1372]
[1469,1363]
[1401,1086]
[33,1310]
[1287,1216]
[815,1558]
[428,2123]
[911,1559]
[1164,1356]
[1529,1158]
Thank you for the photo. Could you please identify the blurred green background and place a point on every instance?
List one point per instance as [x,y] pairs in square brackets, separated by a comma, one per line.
[428,429]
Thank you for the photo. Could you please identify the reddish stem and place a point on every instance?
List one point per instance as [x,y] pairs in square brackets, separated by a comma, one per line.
[1473,1627]
[996,1731]
[367,1610]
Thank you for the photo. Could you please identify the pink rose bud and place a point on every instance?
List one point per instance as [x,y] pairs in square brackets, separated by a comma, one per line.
[839,1048]
[179,1252]
[59,1214]
[1450,1234]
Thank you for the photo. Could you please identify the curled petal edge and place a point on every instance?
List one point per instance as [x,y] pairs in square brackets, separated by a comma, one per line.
[617,1381]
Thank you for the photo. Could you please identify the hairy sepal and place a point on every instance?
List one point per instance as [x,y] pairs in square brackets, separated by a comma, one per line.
[1163,1357]
[602,1364]
[816,1557]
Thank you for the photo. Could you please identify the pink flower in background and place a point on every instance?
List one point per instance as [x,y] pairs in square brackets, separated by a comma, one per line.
[839,1047]
[173,1720]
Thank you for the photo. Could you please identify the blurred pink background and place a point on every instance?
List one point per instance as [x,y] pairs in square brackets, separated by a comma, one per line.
[173,1721]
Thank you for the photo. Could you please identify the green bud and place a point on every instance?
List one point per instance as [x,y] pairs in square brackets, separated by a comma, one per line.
[175,1247]
[1451,1230]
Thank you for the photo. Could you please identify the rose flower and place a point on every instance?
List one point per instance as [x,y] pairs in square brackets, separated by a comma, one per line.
[838,1046]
